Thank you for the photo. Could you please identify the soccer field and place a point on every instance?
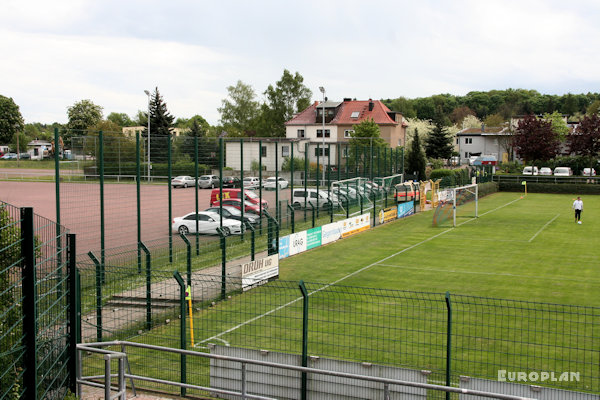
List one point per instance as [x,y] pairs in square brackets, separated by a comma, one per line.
[519,248]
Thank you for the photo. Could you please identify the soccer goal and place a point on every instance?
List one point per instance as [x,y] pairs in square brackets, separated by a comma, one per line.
[352,195]
[458,202]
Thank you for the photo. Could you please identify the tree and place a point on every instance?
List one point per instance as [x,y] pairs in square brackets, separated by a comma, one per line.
[585,141]
[559,125]
[415,161]
[11,121]
[82,115]
[120,119]
[494,120]
[593,108]
[241,109]
[366,134]
[439,143]
[471,121]
[534,139]
[161,124]
[288,97]
[459,114]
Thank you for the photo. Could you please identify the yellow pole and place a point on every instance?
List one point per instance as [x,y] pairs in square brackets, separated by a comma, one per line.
[188,297]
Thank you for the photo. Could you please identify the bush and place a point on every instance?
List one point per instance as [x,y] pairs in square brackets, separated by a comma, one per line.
[565,188]
[287,164]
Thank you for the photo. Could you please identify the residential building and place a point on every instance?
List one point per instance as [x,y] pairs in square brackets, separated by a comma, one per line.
[130,131]
[494,141]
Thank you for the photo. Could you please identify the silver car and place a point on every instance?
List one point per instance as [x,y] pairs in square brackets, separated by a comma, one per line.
[208,181]
[183,181]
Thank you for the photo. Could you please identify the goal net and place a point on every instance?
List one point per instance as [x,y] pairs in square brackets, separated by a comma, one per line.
[456,203]
[351,193]
[387,184]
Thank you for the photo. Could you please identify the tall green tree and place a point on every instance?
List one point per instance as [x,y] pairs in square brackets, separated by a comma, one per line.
[559,125]
[534,139]
[120,119]
[585,141]
[366,134]
[161,125]
[287,97]
[416,161]
[240,110]
[82,115]
[439,142]
[11,120]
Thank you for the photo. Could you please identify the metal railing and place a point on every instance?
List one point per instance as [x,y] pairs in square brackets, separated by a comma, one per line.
[122,375]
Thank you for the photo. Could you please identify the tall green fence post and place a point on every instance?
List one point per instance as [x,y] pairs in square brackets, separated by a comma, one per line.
[98,295]
[448,343]
[74,312]
[292,180]
[102,237]
[58,226]
[329,182]
[182,328]
[292,211]
[252,240]
[170,172]
[30,325]
[260,208]
[277,206]
[305,177]
[138,199]
[318,173]
[188,246]
[223,263]
[243,197]
[148,286]
[304,386]
[196,193]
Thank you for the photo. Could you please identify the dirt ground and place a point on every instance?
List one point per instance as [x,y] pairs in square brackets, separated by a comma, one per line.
[80,209]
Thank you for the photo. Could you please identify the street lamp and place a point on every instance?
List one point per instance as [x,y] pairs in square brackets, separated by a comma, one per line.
[322,89]
[148,94]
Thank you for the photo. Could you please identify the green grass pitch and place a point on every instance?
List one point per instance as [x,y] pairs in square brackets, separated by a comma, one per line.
[522,249]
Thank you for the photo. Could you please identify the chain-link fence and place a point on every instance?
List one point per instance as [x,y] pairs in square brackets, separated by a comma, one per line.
[448,338]
[37,306]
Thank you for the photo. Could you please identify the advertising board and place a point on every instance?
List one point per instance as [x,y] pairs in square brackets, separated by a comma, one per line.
[258,272]
[330,232]
[313,238]
[354,225]
[387,214]
[406,209]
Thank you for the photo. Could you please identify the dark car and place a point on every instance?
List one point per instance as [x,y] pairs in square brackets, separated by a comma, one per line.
[231,182]
[233,213]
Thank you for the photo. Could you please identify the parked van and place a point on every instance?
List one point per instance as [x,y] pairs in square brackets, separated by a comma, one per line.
[530,171]
[235,193]
[563,171]
[301,197]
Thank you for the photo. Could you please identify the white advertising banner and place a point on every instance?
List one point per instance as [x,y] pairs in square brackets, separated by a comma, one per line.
[297,243]
[331,232]
[257,272]
[355,225]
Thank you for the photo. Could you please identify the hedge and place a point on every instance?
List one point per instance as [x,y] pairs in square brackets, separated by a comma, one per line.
[550,188]
[451,177]
[483,189]
[158,169]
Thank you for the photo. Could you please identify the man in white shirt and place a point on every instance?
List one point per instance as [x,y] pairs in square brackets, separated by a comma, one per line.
[578,207]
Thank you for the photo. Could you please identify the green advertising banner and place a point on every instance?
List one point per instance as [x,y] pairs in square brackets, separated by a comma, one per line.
[313,238]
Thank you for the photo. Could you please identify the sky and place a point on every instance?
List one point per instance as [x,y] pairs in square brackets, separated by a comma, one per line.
[56,53]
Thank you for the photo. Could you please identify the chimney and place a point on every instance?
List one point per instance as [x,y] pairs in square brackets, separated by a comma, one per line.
[347,99]
[371,105]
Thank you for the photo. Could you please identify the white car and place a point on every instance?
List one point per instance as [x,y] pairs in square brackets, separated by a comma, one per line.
[530,171]
[183,181]
[208,222]
[300,197]
[270,183]
[562,171]
[586,172]
[251,182]
[545,171]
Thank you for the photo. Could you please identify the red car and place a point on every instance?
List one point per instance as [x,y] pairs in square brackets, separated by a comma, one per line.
[237,203]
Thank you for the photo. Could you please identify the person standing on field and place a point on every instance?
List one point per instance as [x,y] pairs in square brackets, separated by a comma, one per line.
[578,207]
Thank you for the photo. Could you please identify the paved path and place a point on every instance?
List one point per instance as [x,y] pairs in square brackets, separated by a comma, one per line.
[128,307]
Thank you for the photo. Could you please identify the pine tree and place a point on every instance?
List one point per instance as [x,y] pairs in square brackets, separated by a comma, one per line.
[439,143]
[161,125]
[416,161]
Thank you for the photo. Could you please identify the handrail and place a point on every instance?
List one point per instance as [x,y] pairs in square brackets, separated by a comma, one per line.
[385,381]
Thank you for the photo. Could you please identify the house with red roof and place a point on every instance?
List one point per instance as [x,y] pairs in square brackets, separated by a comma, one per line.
[340,117]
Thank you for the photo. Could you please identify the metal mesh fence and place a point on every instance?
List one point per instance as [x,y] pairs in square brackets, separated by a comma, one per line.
[447,337]
[35,297]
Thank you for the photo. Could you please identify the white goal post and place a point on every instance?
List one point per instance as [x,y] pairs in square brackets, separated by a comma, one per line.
[462,195]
